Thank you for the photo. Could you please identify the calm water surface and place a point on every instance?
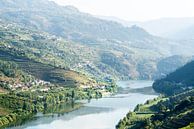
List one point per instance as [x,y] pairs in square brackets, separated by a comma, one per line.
[98,114]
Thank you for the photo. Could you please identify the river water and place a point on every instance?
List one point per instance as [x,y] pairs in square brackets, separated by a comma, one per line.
[97,114]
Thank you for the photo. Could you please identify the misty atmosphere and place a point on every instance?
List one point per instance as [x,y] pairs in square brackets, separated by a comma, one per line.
[100,64]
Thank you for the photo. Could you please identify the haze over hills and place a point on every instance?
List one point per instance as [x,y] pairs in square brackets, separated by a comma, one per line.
[172,28]
[54,58]
[119,51]
[184,34]
[63,21]
[177,81]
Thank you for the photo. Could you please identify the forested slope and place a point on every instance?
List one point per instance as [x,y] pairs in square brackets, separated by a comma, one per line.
[173,110]
[178,81]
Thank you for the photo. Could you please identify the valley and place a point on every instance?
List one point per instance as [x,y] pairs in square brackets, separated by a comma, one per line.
[84,44]
[172,110]
[64,68]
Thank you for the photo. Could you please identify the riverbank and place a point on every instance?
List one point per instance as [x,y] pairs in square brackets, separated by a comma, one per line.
[98,113]
[169,112]
[17,107]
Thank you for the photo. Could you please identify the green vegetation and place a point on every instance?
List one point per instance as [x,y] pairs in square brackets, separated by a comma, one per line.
[165,113]
[176,82]
[29,85]
[16,107]
[172,111]
[52,56]
[43,71]
[4,111]
[190,126]
[86,44]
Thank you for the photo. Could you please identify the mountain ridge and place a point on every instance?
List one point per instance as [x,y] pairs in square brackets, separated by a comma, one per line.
[163,27]
[133,48]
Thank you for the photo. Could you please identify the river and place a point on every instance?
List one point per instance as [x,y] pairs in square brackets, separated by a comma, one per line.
[103,113]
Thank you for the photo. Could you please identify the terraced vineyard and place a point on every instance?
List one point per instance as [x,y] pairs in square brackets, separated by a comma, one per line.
[46,72]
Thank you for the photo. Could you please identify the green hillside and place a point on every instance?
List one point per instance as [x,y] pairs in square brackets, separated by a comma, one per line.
[29,84]
[178,81]
[161,113]
[173,110]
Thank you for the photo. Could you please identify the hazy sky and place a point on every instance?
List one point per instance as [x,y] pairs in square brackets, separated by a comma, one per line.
[134,10]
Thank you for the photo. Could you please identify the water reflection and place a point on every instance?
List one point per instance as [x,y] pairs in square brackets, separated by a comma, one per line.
[48,118]
[98,114]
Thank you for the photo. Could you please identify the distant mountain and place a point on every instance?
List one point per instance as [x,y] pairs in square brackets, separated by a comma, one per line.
[170,64]
[116,19]
[176,82]
[166,27]
[184,34]
[173,28]
[65,21]
[108,47]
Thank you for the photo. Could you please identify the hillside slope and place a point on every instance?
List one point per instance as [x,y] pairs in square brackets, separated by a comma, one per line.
[173,112]
[132,49]
[173,28]
[117,61]
[46,72]
[178,81]
[184,34]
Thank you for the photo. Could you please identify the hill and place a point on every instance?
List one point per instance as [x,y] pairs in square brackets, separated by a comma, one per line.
[178,81]
[184,34]
[173,28]
[164,113]
[63,21]
[43,56]
[46,72]
[132,49]
[170,64]
[172,110]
